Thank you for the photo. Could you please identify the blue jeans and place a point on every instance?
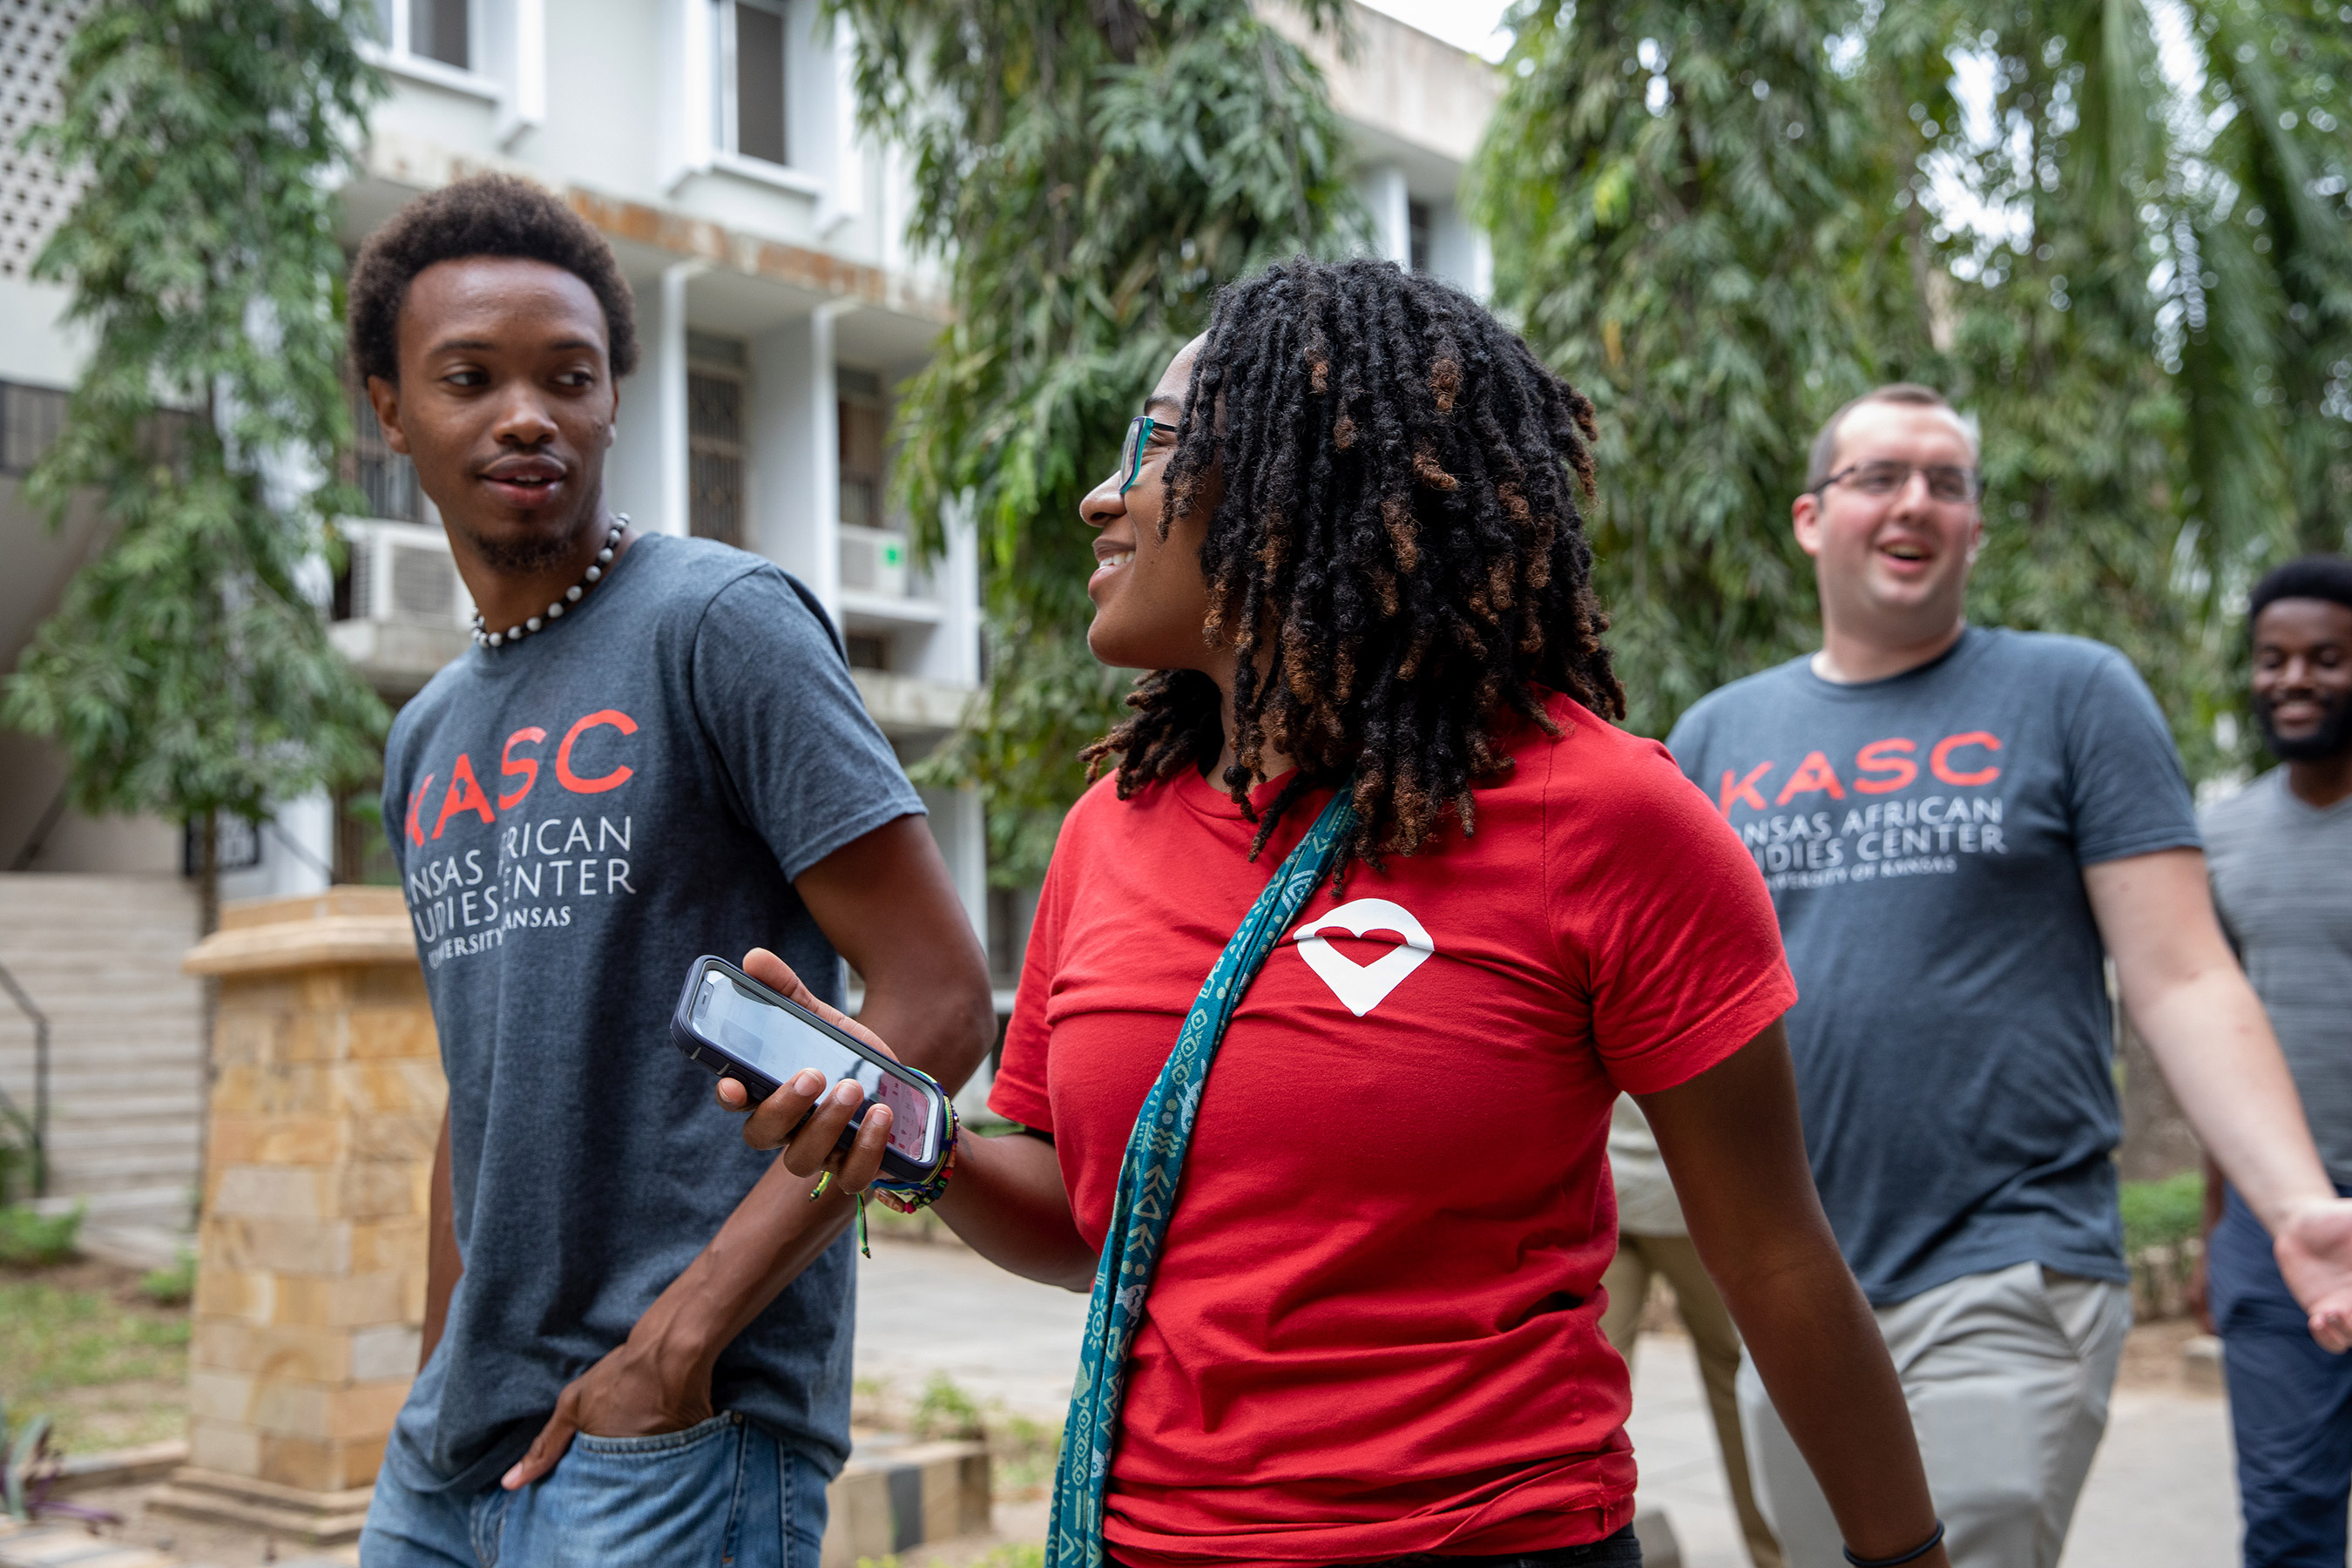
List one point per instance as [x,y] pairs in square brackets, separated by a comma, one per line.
[2290,1404]
[724,1494]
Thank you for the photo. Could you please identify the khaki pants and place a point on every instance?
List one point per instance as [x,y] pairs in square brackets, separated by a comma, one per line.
[1639,1259]
[2007,1376]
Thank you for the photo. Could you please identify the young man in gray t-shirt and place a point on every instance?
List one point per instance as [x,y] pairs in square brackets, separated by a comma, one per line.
[1956,823]
[2281,855]
[636,1330]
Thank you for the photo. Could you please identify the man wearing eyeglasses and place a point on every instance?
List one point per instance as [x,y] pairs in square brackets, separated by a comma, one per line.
[1957,824]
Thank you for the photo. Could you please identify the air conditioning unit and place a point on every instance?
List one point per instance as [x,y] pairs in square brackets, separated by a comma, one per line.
[403,571]
[873,560]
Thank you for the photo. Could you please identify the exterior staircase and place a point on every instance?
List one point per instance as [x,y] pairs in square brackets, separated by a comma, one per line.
[100,956]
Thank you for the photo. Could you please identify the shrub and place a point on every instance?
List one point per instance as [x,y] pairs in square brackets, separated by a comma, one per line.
[2163,1213]
[171,1287]
[32,1240]
[945,1410]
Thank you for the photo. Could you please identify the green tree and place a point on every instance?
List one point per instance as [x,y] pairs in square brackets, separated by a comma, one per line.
[2151,317]
[1091,172]
[2131,261]
[188,672]
[1693,213]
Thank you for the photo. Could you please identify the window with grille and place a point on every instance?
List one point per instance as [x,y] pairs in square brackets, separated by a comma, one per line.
[386,478]
[752,58]
[864,427]
[30,418]
[714,444]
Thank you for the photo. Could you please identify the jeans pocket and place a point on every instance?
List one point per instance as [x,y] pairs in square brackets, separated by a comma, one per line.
[660,1445]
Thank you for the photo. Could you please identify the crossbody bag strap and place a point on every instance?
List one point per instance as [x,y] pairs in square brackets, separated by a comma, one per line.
[1149,1177]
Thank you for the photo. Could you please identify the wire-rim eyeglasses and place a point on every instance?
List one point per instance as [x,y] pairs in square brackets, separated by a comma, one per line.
[1947,482]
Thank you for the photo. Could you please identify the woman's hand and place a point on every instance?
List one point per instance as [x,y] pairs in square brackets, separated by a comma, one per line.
[802,1117]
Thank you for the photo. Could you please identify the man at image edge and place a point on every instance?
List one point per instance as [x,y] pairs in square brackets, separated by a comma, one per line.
[1956,823]
[2282,864]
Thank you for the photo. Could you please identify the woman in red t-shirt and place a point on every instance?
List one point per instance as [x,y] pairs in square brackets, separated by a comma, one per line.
[1346,545]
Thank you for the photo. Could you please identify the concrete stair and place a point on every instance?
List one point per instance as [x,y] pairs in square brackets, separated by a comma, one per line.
[100,955]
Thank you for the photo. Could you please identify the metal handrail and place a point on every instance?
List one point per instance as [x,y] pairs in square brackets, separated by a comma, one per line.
[38,1126]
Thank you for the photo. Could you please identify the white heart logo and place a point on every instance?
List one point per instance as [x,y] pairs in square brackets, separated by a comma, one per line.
[1363,987]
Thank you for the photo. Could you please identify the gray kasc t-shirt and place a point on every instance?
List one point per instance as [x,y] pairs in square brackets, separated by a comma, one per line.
[2282,882]
[1924,839]
[577,817]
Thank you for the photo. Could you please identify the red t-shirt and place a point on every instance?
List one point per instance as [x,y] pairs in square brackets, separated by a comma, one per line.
[1375,1328]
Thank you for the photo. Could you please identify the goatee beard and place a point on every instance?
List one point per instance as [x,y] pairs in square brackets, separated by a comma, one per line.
[2324,745]
[527,554]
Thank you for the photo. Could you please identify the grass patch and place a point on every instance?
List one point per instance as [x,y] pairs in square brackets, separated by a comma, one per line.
[1023,1556]
[107,1370]
[173,1286]
[29,1240]
[1021,1450]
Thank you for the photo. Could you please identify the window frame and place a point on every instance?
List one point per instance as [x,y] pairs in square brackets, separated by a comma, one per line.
[394,53]
[726,107]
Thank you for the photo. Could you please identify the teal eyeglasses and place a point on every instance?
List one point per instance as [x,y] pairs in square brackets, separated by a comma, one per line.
[1140,431]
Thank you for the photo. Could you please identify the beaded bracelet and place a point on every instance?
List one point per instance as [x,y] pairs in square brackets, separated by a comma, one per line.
[1912,1556]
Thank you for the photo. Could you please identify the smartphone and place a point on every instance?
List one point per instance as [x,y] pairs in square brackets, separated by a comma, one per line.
[739,1029]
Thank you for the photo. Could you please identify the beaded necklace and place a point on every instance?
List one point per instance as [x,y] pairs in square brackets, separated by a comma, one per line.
[483,637]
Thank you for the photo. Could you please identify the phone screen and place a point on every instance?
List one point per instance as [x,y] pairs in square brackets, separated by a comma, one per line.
[765,1036]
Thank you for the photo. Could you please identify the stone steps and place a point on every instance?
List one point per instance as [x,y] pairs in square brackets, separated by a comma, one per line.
[100,956]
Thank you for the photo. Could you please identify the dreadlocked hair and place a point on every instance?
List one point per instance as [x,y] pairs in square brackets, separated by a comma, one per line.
[1396,554]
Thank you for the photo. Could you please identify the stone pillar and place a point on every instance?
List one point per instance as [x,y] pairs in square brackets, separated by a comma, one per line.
[326,1106]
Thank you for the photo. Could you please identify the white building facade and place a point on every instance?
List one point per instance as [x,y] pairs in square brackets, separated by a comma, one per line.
[713,142]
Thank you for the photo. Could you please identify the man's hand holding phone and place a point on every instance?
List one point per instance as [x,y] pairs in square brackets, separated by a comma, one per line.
[652,1382]
[805,1117]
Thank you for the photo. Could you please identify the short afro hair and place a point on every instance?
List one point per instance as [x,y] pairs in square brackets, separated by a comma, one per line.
[484,214]
[2326,577]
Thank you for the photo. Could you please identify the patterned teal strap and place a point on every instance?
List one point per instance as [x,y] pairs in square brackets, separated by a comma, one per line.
[1148,1181]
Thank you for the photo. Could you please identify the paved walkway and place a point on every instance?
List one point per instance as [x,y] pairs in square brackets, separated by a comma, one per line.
[2160,1494]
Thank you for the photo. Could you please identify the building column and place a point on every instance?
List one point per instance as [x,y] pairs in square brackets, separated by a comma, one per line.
[325,1111]
[646,471]
[1385,194]
[793,434]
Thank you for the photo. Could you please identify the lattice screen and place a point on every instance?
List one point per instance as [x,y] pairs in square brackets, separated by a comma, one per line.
[33,199]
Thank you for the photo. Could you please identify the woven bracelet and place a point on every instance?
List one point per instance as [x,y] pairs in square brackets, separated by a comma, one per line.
[908,1197]
[1912,1556]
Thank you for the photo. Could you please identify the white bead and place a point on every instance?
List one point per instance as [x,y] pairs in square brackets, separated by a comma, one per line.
[605,556]
[595,573]
[572,594]
[555,609]
[534,623]
[513,633]
[495,639]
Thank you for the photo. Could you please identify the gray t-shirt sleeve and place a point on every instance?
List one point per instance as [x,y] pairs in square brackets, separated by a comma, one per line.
[2125,791]
[802,760]
[1685,741]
